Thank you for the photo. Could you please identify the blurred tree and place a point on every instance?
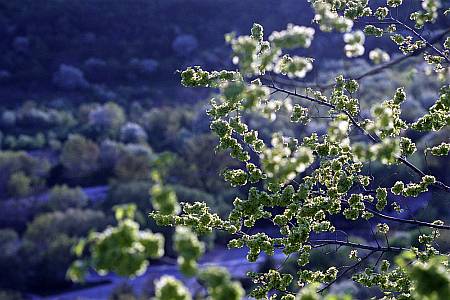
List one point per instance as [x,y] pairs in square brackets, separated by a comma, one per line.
[79,156]
[132,133]
[163,124]
[62,197]
[134,163]
[123,292]
[19,185]
[197,156]
[21,174]
[106,119]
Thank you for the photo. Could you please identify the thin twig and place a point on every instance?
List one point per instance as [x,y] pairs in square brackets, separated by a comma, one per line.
[346,271]
[370,72]
[408,221]
[358,246]
[419,36]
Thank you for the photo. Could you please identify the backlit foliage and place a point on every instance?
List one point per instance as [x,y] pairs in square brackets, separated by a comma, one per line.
[304,185]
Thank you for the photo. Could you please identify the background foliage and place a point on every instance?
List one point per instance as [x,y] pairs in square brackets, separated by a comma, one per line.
[108,122]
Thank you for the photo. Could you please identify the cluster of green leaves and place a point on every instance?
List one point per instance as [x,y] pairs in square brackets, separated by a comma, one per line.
[408,278]
[439,113]
[216,280]
[123,249]
[440,150]
[126,250]
[413,189]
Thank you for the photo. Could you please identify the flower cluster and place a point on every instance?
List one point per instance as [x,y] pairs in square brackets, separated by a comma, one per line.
[189,250]
[439,113]
[131,259]
[328,19]
[281,164]
[428,14]
[413,189]
[293,37]
[295,66]
[378,56]
[440,150]
[354,43]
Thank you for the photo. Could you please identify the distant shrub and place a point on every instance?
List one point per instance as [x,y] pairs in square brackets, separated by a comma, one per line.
[27,142]
[135,111]
[62,197]
[72,222]
[79,156]
[40,259]
[8,240]
[198,158]
[8,118]
[19,185]
[163,124]
[94,62]
[4,75]
[132,133]
[97,70]
[186,194]
[51,260]
[9,248]
[10,295]
[123,291]
[134,163]
[43,263]
[221,205]
[107,119]
[84,110]
[103,93]
[110,152]
[69,78]
[21,174]
[140,150]
[47,244]
[9,142]
[21,44]
[126,192]
[184,44]
[54,144]
[145,66]
[29,116]
[23,161]
[127,161]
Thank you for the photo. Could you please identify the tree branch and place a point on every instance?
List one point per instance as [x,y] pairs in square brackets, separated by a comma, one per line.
[438,184]
[419,36]
[370,72]
[346,271]
[406,221]
[357,246]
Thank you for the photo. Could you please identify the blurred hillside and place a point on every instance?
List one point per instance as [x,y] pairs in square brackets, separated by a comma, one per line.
[128,49]
[99,48]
